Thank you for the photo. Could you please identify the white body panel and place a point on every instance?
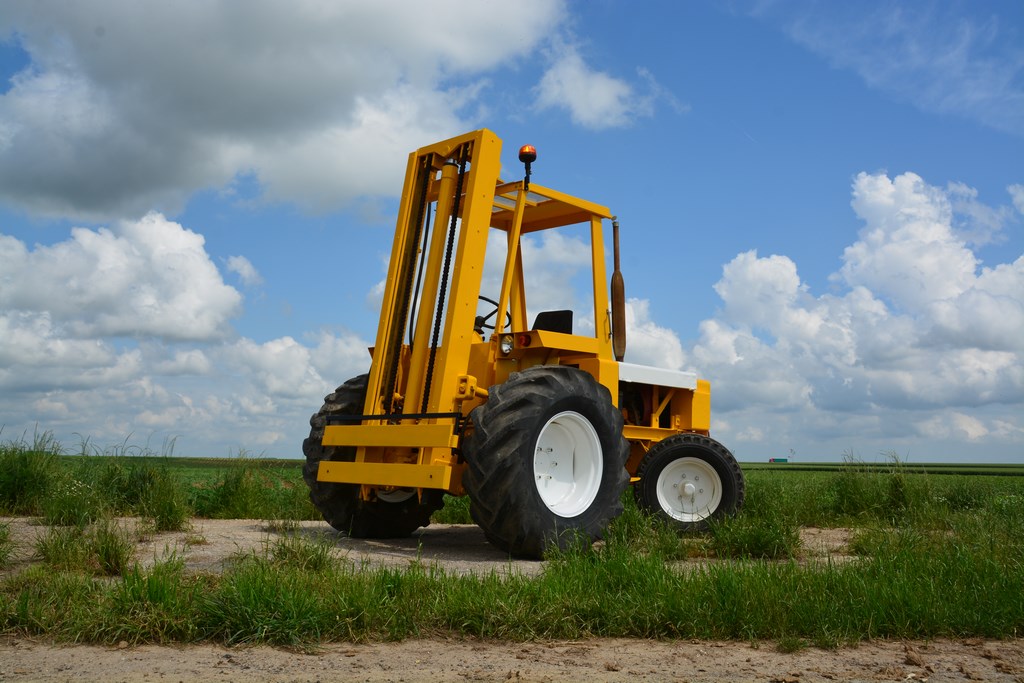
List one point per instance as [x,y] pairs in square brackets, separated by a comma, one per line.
[645,374]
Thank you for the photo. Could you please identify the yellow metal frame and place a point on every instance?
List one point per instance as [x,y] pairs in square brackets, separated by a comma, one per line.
[392,435]
[397,475]
[420,393]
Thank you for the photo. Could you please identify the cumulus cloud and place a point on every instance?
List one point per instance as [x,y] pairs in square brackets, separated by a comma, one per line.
[89,322]
[145,278]
[184,362]
[36,356]
[125,107]
[125,332]
[908,251]
[284,369]
[227,396]
[594,99]
[330,166]
[648,343]
[916,324]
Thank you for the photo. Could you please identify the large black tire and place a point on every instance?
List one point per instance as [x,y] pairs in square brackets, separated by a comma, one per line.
[394,514]
[688,480]
[520,494]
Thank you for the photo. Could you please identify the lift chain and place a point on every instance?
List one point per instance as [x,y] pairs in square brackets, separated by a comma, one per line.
[444,275]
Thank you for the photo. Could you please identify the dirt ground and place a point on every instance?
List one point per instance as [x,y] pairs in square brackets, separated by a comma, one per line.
[463,549]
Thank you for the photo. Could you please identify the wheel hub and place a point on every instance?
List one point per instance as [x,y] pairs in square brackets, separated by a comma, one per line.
[395,495]
[689,489]
[568,464]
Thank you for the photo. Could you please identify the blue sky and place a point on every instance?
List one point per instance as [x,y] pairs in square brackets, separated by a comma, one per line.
[822,206]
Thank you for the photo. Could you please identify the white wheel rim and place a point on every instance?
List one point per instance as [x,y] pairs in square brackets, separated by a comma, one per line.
[395,495]
[689,489]
[568,464]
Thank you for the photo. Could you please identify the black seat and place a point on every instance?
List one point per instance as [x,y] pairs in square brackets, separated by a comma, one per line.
[554,321]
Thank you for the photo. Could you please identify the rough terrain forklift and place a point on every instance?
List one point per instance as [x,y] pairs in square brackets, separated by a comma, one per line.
[542,426]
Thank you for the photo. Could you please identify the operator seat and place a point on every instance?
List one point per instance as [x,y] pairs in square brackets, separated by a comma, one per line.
[554,321]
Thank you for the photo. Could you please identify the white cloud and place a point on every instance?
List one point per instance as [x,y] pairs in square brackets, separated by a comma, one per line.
[647,342]
[917,324]
[594,99]
[143,278]
[976,223]
[124,332]
[337,357]
[37,356]
[379,134]
[908,250]
[557,271]
[279,368]
[952,425]
[1017,194]
[245,270]
[216,400]
[184,362]
[555,263]
[126,107]
[756,289]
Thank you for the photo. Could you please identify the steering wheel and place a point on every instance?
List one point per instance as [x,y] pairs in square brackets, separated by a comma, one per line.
[481,324]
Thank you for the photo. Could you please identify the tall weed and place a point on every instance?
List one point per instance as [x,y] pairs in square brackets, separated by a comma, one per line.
[249,488]
[126,483]
[64,548]
[166,503]
[156,605]
[72,502]
[27,473]
[112,547]
[105,549]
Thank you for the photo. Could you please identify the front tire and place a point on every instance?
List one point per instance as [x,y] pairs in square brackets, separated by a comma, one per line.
[394,513]
[546,461]
[687,480]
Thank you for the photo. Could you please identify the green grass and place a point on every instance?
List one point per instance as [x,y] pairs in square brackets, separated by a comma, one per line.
[252,488]
[40,479]
[113,548]
[936,555]
[295,592]
[455,511]
[104,549]
[28,473]
[6,545]
[63,548]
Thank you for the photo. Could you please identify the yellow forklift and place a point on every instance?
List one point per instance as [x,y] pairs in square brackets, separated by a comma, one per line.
[541,425]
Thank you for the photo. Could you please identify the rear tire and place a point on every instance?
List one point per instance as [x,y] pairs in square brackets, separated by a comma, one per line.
[395,513]
[546,461]
[687,480]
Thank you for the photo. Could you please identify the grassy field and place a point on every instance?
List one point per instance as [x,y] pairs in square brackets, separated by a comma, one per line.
[937,554]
